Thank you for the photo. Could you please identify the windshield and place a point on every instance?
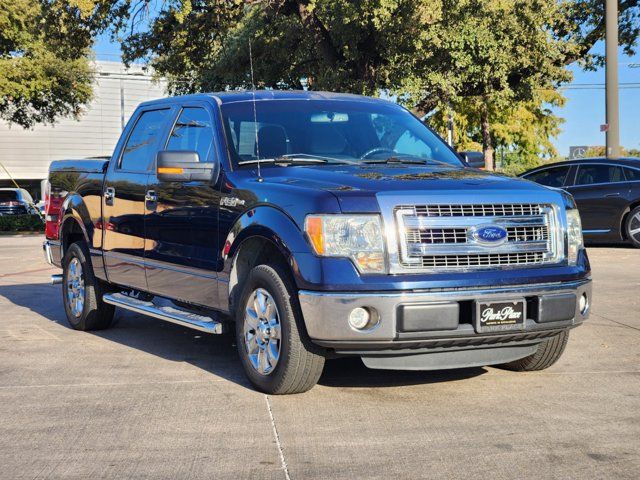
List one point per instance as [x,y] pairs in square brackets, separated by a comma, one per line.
[329,131]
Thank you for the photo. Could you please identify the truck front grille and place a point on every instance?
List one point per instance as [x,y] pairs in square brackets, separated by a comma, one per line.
[441,237]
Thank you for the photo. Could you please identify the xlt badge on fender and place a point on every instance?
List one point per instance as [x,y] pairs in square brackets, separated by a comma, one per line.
[231,202]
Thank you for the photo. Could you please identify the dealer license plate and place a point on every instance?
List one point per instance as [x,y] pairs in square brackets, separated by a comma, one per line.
[499,316]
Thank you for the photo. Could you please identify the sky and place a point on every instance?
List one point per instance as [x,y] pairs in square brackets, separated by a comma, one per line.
[583,112]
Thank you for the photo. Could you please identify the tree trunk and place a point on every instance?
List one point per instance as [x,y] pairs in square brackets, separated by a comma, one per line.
[487,144]
[316,28]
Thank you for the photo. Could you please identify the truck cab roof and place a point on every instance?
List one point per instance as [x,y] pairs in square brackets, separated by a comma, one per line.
[264,95]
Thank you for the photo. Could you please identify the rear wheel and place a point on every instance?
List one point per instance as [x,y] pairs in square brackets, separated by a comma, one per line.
[82,292]
[273,349]
[548,353]
[633,227]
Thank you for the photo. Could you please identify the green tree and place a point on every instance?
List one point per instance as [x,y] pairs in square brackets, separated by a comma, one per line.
[493,57]
[360,47]
[497,61]
[522,132]
[583,21]
[44,56]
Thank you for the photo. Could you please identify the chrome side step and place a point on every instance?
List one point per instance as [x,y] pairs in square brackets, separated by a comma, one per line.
[168,313]
[56,279]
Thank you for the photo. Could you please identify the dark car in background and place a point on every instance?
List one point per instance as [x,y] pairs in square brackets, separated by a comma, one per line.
[606,191]
[15,201]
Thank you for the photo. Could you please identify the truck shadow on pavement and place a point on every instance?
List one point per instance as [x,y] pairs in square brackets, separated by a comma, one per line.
[215,354]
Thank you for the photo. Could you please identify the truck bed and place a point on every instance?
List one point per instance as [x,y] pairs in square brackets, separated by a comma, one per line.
[86,165]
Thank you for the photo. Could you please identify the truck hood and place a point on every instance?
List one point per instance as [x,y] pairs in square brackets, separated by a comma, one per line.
[359,179]
[300,190]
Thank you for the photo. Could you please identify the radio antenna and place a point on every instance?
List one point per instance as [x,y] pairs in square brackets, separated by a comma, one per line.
[255,113]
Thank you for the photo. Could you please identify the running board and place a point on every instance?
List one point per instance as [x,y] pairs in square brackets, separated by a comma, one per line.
[166,312]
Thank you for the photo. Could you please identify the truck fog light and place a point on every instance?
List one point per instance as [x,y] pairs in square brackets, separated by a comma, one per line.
[583,304]
[359,318]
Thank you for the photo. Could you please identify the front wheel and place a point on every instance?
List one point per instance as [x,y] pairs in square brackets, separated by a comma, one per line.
[82,292]
[548,353]
[276,355]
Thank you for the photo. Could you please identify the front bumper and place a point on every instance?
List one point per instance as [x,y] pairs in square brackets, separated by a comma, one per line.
[438,319]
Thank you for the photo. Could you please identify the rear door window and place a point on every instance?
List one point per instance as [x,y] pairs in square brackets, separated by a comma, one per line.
[193,132]
[144,141]
[632,174]
[551,177]
[596,174]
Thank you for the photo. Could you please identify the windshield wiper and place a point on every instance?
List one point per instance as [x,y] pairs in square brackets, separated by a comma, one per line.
[292,158]
[396,160]
[407,160]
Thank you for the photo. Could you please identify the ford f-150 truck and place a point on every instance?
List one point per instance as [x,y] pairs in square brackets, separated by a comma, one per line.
[317,225]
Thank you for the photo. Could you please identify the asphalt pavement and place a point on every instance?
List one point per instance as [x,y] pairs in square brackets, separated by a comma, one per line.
[149,399]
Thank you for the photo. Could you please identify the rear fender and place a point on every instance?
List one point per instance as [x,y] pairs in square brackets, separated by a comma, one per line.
[74,210]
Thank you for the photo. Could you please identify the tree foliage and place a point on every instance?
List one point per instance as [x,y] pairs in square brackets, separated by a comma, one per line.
[496,63]
[522,132]
[583,22]
[44,56]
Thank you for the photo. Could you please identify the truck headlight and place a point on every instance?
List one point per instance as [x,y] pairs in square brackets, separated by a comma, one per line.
[358,237]
[574,236]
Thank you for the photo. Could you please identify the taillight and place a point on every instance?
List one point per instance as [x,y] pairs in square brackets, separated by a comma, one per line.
[52,205]
[47,197]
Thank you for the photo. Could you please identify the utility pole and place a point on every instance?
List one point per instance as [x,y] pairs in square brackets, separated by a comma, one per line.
[613,112]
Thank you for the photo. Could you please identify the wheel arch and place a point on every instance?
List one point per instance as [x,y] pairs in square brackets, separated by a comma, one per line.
[262,235]
[625,216]
[71,231]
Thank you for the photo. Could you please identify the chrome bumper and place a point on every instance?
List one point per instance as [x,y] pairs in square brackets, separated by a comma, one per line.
[326,313]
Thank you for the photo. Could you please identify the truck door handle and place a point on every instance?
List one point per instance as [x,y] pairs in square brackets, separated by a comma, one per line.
[151,199]
[109,195]
[609,195]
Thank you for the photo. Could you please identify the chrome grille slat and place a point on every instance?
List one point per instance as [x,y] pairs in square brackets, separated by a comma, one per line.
[474,210]
[481,260]
[439,237]
[420,249]
[465,222]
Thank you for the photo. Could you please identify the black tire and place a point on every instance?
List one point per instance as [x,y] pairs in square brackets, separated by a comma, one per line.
[94,314]
[548,353]
[632,224]
[299,364]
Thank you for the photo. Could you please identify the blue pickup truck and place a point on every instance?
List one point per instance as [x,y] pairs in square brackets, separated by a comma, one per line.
[317,225]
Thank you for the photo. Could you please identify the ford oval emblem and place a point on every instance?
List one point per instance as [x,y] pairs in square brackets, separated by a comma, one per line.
[490,234]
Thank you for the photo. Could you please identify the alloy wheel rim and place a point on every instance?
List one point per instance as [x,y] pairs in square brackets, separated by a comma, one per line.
[634,227]
[262,331]
[75,287]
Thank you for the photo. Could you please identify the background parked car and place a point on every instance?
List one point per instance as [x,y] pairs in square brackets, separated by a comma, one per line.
[607,193]
[16,201]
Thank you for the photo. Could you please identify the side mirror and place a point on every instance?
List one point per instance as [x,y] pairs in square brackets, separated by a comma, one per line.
[473,159]
[182,166]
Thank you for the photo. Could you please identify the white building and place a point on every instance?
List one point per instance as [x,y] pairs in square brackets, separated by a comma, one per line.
[26,154]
